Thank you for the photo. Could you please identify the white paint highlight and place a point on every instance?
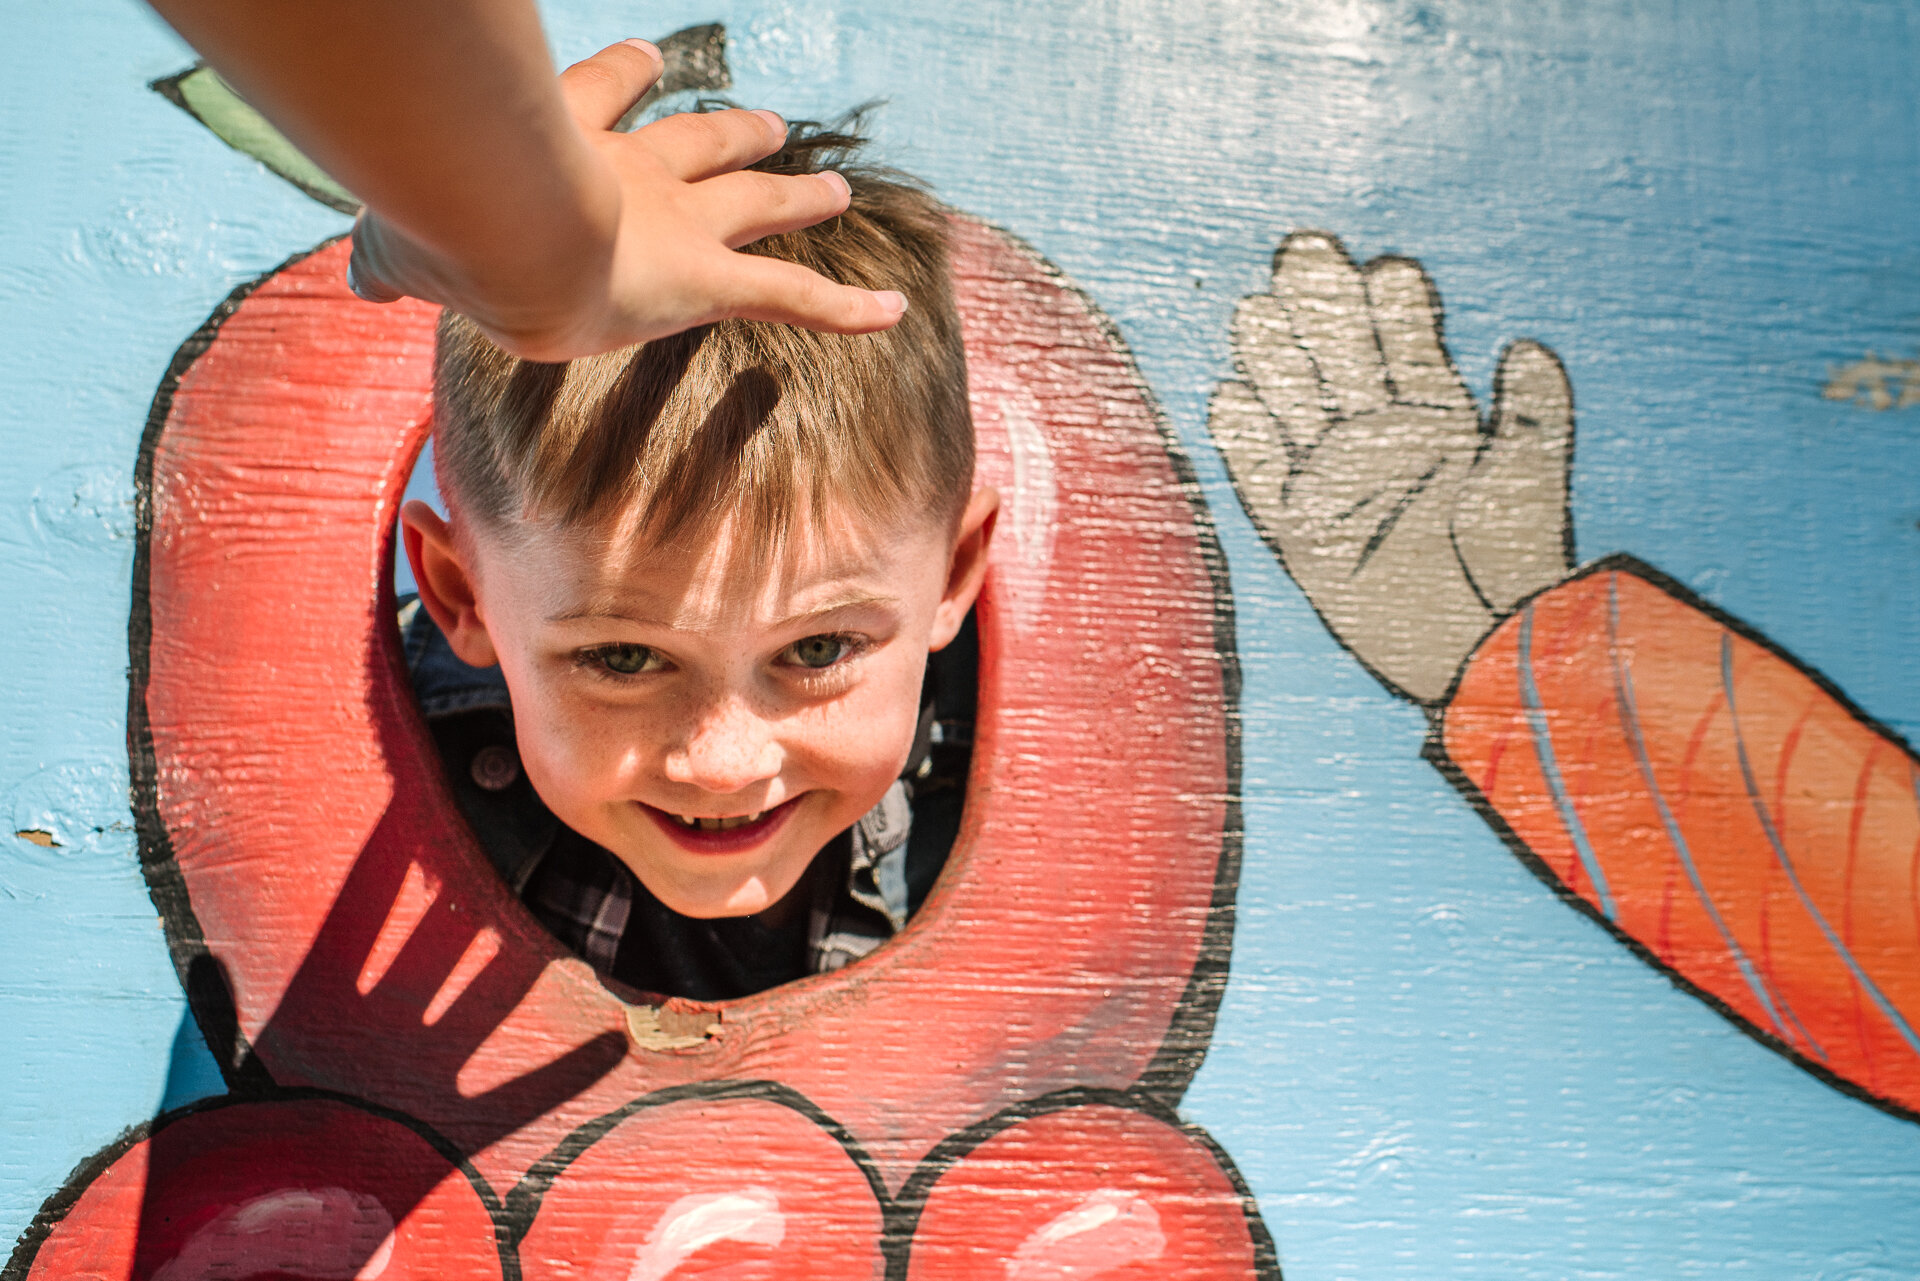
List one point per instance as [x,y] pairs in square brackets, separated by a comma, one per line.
[698,1220]
[1030,506]
[328,1234]
[1110,1229]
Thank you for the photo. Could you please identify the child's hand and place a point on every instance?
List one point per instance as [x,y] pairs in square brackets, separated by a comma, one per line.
[674,203]
[1411,524]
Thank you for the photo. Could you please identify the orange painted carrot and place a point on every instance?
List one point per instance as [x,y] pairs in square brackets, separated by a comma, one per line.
[1718,806]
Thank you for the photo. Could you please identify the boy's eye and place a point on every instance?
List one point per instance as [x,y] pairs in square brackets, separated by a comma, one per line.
[626,660]
[818,651]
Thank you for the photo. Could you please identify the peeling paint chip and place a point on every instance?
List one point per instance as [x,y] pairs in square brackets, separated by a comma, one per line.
[666,1028]
[43,839]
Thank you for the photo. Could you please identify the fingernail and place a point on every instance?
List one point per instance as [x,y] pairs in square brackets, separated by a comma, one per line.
[892,300]
[366,292]
[649,48]
[773,118]
[838,182]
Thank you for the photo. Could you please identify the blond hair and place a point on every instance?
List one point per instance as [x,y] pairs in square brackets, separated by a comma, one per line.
[739,419]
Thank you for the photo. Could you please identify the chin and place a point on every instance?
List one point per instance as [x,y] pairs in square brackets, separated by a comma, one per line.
[740,900]
[706,897]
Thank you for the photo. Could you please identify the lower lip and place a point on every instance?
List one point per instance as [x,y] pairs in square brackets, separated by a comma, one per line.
[731,841]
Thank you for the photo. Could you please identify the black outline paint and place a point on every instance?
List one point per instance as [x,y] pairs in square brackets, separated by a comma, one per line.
[1435,752]
[1433,749]
[1297,458]
[522,1205]
[1190,1032]
[61,1203]
[1158,1089]
[950,1151]
[900,1215]
[211,1003]
[168,87]
[693,58]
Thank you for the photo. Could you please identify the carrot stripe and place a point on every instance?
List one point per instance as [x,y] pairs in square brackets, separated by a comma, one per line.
[1862,784]
[1913,867]
[1550,768]
[1786,863]
[1630,716]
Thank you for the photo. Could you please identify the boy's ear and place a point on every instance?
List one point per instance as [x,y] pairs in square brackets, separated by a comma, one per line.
[446,583]
[968,567]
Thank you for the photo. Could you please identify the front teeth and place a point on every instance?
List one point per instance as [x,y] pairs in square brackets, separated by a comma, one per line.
[717,824]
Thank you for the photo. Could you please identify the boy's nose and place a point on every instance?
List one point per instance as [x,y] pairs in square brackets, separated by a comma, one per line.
[728,749]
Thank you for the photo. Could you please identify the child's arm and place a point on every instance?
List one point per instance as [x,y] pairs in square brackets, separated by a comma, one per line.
[493,191]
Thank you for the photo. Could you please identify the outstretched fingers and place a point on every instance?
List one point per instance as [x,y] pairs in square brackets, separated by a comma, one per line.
[1279,371]
[1511,524]
[789,294]
[702,144]
[510,1105]
[599,90]
[1257,456]
[739,208]
[1531,392]
[1406,320]
[1327,302]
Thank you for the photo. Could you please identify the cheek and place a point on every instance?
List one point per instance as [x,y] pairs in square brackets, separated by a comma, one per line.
[866,735]
[574,751]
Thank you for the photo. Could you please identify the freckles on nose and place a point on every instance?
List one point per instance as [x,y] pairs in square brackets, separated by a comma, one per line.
[726,751]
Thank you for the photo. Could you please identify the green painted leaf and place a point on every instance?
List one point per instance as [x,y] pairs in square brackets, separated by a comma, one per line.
[202,94]
[696,58]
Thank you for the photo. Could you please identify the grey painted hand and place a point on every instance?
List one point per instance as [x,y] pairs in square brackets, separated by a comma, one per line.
[1412,524]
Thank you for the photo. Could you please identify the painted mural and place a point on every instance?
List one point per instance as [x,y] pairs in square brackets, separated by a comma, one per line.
[1288,650]
[1723,810]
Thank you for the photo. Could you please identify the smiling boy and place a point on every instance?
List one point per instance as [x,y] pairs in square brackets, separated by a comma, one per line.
[710,571]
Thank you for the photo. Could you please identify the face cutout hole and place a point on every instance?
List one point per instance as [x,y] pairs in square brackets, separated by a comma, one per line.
[421,485]
[862,888]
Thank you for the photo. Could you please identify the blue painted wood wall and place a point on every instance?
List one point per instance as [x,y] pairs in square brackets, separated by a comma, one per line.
[1425,1065]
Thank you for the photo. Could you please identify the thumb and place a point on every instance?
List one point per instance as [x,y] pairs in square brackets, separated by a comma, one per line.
[1511,521]
[369,273]
[1531,392]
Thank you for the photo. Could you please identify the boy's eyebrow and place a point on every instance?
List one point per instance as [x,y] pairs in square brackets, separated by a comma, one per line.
[839,605]
[597,609]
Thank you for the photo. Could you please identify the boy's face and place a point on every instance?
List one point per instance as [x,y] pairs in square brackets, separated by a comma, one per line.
[769,701]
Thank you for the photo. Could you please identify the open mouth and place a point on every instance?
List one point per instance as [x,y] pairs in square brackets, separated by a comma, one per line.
[721,834]
[716,824]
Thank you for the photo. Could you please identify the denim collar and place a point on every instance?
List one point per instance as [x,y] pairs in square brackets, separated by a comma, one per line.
[441,682]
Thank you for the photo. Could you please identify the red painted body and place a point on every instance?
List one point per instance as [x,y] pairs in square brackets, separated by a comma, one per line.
[706,1187]
[1075,941]
[311,1189]
[1087,1191]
